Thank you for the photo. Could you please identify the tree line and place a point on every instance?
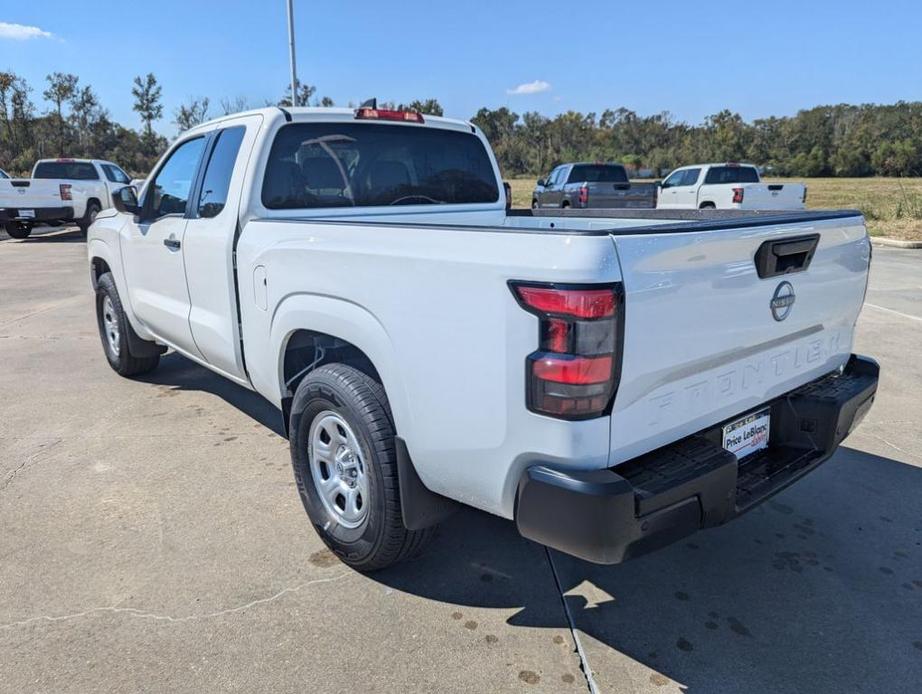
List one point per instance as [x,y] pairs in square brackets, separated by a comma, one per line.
[840,140]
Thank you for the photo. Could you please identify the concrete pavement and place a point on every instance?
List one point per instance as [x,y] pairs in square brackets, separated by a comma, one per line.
[151,539]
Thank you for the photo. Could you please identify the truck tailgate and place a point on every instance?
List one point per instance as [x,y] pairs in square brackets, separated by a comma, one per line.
[706,338]
[26,192]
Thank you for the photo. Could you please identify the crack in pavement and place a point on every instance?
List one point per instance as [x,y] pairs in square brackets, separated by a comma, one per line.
[26,463]
[143,614]
[580,651]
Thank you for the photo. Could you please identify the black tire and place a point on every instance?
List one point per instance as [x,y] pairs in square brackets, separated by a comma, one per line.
[380,539]
[121,361]
[534,204]
[708,206]
[17,230]
[564,205]
[92,209]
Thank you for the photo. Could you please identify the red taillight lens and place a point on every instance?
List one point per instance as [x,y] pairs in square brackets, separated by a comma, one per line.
[578,303]
[738,195]
[580,371]
[64,190]
[583,195]
[575,372]
[386,114]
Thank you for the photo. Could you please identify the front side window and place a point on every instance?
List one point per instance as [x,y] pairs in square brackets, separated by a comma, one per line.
[316,165]
[674,179]
[170,189]
[216,182]
[115,174]
[598,173]
[73,170]
[691,177]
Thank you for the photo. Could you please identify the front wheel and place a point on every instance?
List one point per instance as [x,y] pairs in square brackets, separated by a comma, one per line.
[17,230]
[345,467]
[114,330]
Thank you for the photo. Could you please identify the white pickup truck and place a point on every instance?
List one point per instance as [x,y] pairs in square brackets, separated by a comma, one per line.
[60,191]
[727,186]
[610,383]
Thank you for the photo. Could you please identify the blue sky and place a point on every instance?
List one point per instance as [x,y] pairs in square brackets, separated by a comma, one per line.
[690,58]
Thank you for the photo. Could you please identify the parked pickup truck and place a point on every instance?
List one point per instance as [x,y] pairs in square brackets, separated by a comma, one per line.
[585,185]
[727,186]
[60,191]
[610,383]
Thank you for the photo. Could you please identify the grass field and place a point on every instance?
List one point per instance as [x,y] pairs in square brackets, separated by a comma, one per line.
[892,206]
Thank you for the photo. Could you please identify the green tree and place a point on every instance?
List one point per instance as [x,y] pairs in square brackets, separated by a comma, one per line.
[191,114]
[146,93]
[61,89]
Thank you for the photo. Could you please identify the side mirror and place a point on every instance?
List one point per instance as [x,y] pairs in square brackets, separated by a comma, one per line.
[126,200]
[541,182]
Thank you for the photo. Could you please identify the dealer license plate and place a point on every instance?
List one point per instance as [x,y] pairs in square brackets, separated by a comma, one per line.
[27,214]
[748,434]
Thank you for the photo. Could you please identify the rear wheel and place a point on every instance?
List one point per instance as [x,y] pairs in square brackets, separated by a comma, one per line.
[534,204]
[565,204]
[708,206]
[17,230]
[345,466]
[92,209]
[114,331]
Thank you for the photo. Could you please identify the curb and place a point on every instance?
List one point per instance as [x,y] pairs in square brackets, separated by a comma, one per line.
[895,243]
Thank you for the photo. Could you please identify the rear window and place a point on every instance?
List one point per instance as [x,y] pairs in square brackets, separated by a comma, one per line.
[598,173]
[732,174]
[315,165]
[75,170]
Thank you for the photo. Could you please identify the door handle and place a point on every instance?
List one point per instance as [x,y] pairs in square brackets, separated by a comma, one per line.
[172,244]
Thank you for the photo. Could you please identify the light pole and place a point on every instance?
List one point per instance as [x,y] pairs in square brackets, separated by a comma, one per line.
[291,52]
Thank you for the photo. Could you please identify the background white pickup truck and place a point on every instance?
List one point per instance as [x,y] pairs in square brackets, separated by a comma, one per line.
[725,187]
[60,191]
[612,384]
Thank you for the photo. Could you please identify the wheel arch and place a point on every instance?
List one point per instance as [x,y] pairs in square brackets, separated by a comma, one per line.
[309,331]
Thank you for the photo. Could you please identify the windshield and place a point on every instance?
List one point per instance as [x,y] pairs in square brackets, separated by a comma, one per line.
[369,164]
[3,174]
[598,173]
[74,170]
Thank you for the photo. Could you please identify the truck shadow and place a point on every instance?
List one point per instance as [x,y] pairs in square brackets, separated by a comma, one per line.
[819,589]
[51,235]
[179,373]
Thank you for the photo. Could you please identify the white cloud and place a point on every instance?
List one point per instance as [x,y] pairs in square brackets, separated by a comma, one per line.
[535,87]
[21,32]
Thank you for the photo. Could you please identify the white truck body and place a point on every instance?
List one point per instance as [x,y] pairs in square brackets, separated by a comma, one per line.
[60,191]
[727,186]
[423,292]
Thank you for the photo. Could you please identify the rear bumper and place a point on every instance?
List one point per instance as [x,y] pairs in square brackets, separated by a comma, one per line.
[42,214]
[608,516]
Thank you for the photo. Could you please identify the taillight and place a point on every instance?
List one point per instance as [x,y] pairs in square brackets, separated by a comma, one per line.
[64,190]
[583,195]
[366,113]
[738,195]
[575,371]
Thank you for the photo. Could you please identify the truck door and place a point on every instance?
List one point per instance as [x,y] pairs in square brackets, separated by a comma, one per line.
[209,246]
[152,249]
[686,193]
[553,191]
[668,190]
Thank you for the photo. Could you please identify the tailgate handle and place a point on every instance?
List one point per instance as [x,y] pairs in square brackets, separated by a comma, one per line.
[784,256]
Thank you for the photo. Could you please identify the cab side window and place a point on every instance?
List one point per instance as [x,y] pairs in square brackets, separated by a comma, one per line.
[171,188]
[115,174]
[216,182]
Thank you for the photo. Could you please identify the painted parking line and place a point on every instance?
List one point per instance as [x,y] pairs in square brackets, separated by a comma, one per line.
[899,313]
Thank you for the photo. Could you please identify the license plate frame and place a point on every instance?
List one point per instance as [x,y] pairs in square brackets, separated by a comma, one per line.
[748,434]
[26,213]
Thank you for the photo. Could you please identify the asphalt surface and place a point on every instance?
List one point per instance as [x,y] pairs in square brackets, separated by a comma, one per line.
[151,539]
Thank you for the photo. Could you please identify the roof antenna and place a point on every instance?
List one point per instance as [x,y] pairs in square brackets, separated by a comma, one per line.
[370,103]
